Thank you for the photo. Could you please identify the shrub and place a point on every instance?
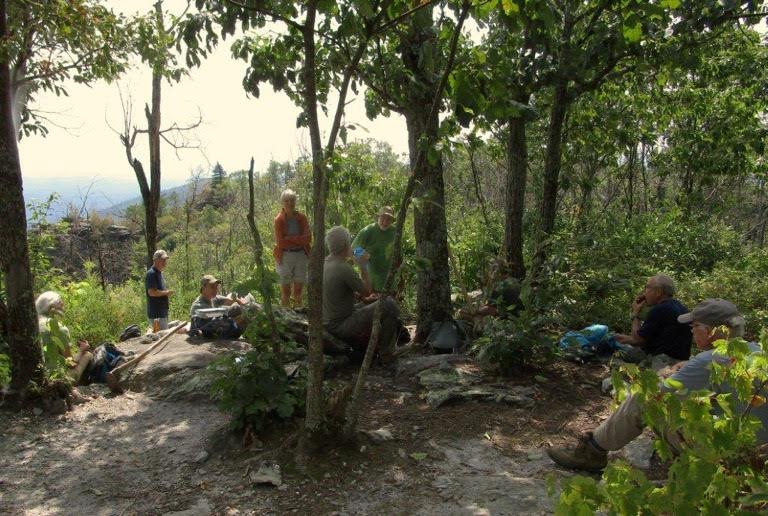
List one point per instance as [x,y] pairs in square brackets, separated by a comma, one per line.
[55,351]
[718,472]
[510,345]
[99,315]
[254,389]
[594,272]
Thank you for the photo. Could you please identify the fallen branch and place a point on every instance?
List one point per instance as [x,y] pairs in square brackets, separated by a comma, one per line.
[113,377]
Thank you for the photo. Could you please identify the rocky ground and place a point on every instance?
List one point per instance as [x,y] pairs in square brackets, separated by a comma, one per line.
[441,439]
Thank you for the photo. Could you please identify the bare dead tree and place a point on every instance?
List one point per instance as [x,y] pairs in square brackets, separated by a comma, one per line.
[178,137]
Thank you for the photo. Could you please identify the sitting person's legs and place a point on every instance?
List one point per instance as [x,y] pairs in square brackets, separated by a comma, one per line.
[356,329]
[82,359]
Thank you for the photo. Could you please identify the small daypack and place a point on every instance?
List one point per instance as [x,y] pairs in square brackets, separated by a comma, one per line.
[131,332]
[105,358]
[216,328]
[448,337]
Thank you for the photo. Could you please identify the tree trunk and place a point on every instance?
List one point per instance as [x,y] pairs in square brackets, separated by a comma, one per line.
[433,291]
[631,161]
[552,159]
[514,199]
[153,133]
[25,352]
[315,408]
[265,285]
[150,190]
[477,186]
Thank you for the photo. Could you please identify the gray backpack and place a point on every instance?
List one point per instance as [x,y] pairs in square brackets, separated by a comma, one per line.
[448,337]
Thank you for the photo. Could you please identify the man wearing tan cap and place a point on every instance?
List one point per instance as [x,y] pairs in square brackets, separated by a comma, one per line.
[706,320]
[209,298]
[372,247]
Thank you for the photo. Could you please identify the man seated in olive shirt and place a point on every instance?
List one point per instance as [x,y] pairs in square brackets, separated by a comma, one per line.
[341,316]
[660,333]
[209,298]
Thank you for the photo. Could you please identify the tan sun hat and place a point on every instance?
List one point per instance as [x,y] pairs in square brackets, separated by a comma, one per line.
[387,210]
[209,280]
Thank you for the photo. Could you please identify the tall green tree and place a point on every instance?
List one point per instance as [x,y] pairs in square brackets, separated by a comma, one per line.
[20,319]
[41,45]
[53,42]
[403,75]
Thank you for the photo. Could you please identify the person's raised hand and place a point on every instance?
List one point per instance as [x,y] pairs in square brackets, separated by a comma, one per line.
[83,345]
[638,305]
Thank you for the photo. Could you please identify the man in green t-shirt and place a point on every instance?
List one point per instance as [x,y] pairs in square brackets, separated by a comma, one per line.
[376,240]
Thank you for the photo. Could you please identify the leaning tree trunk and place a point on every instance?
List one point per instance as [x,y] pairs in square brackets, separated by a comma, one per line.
[433,291]
[26,354]
[153,124]
[514,199]
[315,407]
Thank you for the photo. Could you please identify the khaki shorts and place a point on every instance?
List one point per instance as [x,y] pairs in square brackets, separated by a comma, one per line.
[294,267]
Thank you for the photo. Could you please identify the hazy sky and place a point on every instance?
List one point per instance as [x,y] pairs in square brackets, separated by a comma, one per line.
[235,127]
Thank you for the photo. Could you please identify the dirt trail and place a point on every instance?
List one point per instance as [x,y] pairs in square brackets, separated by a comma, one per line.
[136,455]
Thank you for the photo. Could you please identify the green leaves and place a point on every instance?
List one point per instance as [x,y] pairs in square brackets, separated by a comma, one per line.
[670,4]
[714,469]
[51,42]
[632,33]
[254,388]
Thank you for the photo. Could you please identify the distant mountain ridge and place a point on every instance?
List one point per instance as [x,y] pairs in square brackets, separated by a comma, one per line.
[118,210]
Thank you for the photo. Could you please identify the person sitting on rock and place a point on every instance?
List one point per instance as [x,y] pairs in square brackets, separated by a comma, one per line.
[626,423]
[660,332]
[341,317]
[230,327]
[49,307]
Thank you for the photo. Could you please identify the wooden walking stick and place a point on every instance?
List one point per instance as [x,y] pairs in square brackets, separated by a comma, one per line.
[113,377]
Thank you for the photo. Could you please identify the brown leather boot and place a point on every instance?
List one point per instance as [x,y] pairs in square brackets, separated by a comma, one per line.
[585,456]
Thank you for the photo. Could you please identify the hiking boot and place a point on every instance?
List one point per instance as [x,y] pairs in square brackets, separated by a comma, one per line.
[586,456]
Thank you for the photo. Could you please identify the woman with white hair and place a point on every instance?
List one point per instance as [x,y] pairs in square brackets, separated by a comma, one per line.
[292,241]
[50,305]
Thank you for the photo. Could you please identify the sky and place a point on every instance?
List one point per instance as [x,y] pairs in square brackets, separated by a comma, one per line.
[235,126]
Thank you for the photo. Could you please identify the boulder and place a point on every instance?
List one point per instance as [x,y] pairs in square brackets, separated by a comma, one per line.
[451,378]
[177,370]
[408,368]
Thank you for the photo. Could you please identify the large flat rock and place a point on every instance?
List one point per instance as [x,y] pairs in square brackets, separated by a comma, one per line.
[177,369]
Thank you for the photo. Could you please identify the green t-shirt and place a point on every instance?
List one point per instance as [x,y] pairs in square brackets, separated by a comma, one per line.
[340,282]
[378,243]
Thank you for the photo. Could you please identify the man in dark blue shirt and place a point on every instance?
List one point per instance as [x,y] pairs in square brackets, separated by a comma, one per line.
[660,332]
[157,293]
